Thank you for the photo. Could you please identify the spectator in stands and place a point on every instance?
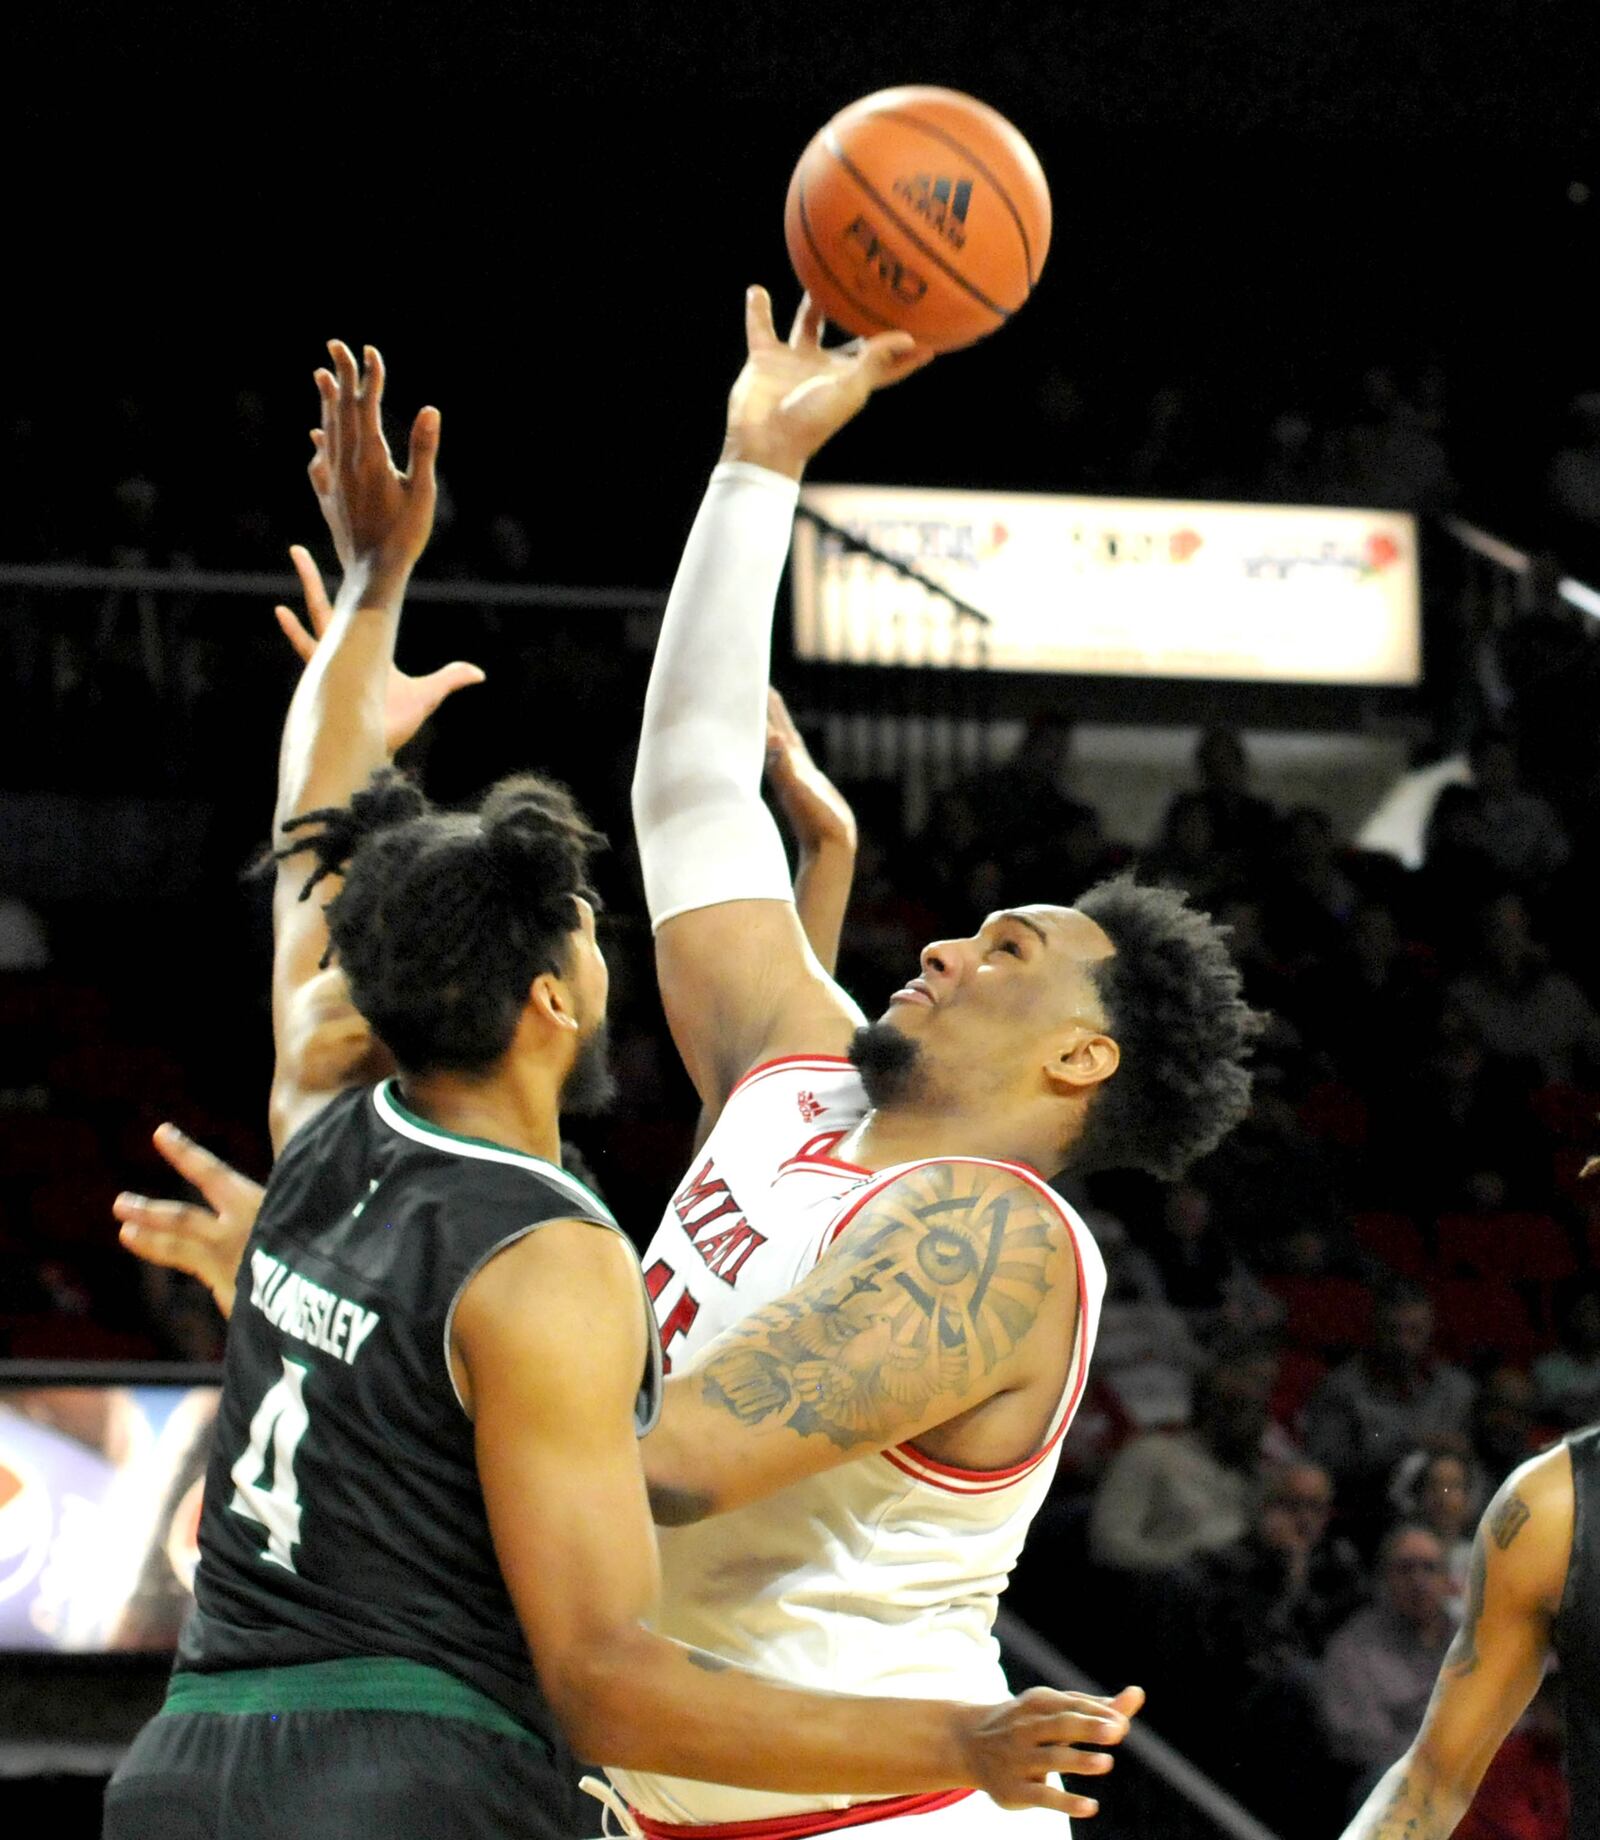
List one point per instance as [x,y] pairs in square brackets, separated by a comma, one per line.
[1187,855]
[1242,823]
[1201,1274]
[1145,1356]
[1372,989]
[24,944]
[1379,1670]
[1310,896]
[1395,1395]
[1567,1380]
[1517,830]
[1265,1609]
[1171,1495]
[1433,1490]
[1521,1006]
[1504,1426]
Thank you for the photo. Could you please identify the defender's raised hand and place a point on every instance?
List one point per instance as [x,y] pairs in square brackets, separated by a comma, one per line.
[790,398]
[408,701]
[380,517]
[207,1242]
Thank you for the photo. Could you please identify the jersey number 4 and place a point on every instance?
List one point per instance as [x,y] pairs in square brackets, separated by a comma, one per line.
[264,1487]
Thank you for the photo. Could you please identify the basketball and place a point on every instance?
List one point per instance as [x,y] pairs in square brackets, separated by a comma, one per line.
[919,210]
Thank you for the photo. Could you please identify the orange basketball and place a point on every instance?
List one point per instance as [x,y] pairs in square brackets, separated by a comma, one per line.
[920,210]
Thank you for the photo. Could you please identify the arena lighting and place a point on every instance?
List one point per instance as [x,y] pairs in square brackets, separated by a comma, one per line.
[1144,588]
[1577,594]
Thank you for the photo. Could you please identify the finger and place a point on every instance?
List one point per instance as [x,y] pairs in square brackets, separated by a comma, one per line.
[1094,1725]
[219,1182]
[423,450]
[1129,1702]
[759,331]
[312,587]
[326,439]
[349,377]
[806,332]
[320,467]
[1063,1801]
[372,395]
[884,358]
[169,1233]
[1068,1760]
[304,643]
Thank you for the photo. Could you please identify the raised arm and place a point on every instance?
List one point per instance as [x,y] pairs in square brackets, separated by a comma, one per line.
[739,981]
[1493,1669]
[953,1284]
[334,738]
[824,830]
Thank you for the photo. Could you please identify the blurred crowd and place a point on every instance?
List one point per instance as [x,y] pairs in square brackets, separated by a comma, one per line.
[1321,1352]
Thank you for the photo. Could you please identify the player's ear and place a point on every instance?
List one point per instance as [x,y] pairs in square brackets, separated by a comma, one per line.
[552,1002]
[1081,1060]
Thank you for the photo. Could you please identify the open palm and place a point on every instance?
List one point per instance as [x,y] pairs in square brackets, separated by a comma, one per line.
[408,701]
[791,398]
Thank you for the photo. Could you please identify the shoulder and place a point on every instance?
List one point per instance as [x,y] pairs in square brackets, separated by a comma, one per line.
[1526,1530]
[963,1213]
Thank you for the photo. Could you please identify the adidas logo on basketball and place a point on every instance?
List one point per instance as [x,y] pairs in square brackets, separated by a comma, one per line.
[942,202]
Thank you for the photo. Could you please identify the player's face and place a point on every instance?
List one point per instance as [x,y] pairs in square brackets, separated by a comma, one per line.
[1000,999]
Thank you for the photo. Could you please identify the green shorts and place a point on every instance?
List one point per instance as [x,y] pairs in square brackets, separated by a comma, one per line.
[338,1750]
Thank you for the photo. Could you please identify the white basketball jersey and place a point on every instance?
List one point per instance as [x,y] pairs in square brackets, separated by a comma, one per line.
[882,1575]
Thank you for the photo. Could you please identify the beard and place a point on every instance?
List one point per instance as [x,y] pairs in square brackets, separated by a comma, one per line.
[589,1086]
[892,1066]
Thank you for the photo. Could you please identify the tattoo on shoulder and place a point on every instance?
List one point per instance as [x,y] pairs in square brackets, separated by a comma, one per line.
[1508,1520]
[927,1292]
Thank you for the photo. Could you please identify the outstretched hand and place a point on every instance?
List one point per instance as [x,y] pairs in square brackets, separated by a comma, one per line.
[207,1242]
[408,701]
[791,398]
[380,517]
[817,811]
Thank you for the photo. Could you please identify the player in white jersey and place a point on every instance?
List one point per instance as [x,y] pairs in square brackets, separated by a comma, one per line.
[906,1310]
[879,1312]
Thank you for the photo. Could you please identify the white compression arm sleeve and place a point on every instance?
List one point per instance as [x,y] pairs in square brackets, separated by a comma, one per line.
[705,834]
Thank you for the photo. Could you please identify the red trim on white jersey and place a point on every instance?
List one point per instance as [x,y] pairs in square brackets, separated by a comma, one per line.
[821,1161]
[915,1463]
[794,1826]
[813,1063]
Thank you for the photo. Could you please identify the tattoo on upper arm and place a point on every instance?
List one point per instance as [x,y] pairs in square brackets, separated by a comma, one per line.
[931,1287]
[1463,1654]
[1502,1526]
[1509,1519]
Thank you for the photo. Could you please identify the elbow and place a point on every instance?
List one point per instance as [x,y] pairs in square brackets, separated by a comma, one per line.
[594,1696]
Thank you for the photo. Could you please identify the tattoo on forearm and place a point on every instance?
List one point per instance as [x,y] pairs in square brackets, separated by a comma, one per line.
[928,1290]
[1407,1815]
[1508,1521]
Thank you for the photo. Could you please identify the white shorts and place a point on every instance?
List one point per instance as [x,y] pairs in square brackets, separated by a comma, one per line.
[974,1817]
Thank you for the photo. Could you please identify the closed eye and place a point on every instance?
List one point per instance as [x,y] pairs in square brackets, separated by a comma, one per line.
[1009,945]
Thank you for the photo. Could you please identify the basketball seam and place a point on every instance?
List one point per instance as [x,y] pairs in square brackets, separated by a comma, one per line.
[1004,196]
[822,263]
[899,223]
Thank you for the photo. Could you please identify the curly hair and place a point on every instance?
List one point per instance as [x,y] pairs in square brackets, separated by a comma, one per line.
[445,918]
[1175,1007]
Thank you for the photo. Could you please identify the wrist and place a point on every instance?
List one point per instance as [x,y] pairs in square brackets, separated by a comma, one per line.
[771,453]
[374,581]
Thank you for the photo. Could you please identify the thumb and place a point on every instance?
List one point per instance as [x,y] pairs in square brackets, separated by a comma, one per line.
[424,447]
[448,679]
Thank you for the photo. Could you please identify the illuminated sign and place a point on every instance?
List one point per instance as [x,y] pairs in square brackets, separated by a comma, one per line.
[1112,587]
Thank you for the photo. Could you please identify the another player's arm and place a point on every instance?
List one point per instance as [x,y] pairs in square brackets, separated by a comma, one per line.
[334,737]
[1495,1663]
[551,1335]
[824,830]
[739,981]
[950,1286]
